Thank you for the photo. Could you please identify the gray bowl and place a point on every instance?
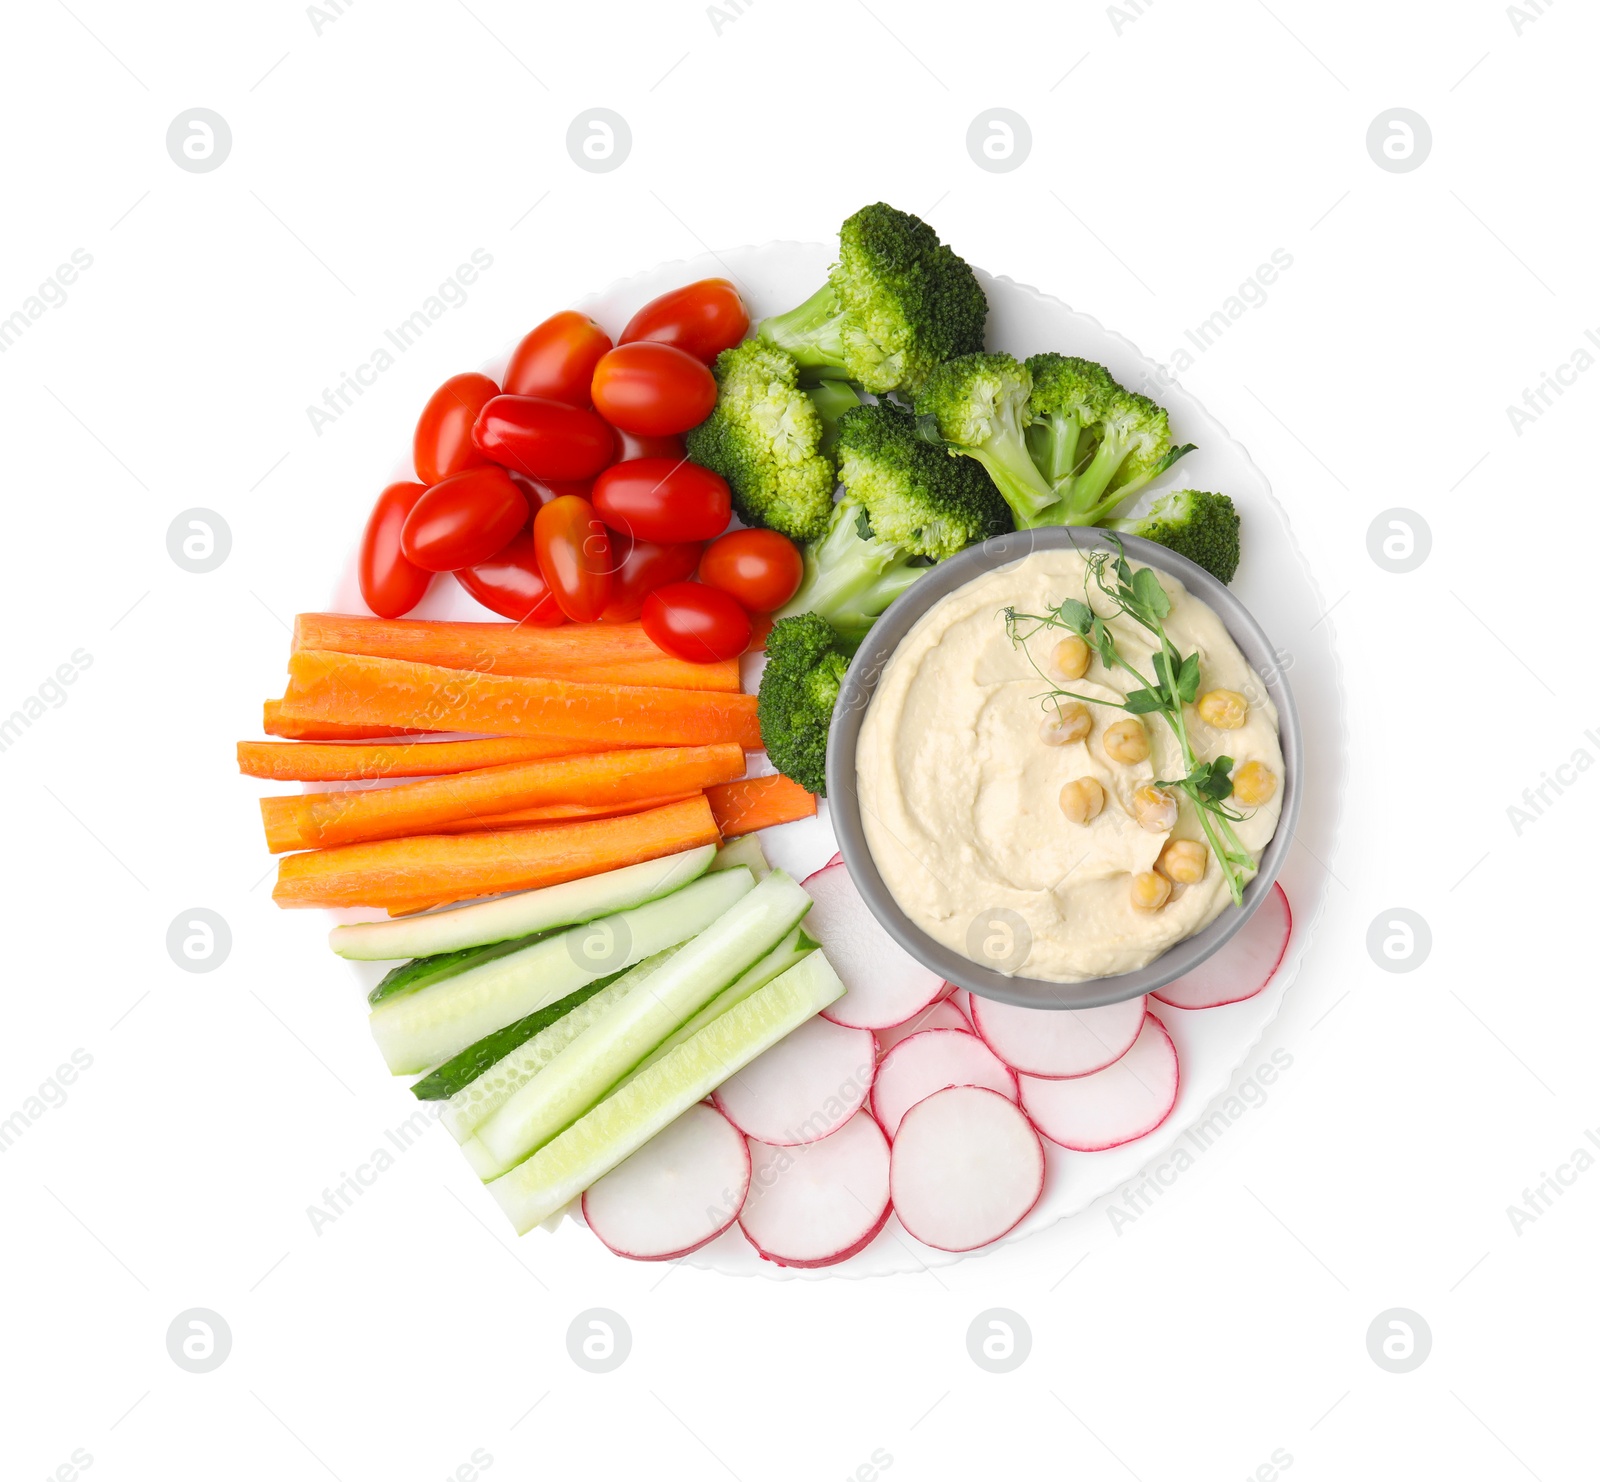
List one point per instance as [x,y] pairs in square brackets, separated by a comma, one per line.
[856,694]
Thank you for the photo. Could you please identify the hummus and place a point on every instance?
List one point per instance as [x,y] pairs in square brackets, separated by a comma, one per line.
[959,791]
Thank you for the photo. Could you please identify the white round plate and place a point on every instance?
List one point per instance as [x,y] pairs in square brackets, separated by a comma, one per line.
[1273,581]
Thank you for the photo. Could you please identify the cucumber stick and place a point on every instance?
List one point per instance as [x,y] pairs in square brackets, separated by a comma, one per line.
[416,1031]
[745,850]
[420,972]
[474,1104]
[520,915]
[605,1052]
[792,949]
[621,1124]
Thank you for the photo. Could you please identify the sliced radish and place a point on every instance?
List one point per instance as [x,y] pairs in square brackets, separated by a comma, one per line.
[930,1061]
[804,1088]
[1243,966]
[966,1167]
[1057,1043]
[940,1015]
[1126,1100]
[820,1203]
[886,984]
[681,1189]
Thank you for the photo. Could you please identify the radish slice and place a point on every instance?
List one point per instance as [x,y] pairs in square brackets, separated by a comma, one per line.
[1243,966]
[804,1088]
[681,1189]
[966,1167]
[1057,1043]
[1114,1105]
[886,984]
[930,1061]
[821,1203]
[940,1015]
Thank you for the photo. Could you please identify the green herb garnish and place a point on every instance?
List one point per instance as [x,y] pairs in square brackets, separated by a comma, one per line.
[1176,681]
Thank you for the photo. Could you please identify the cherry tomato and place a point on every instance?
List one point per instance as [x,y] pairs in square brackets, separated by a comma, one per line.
[645,566]
[575,556]
[557,359]
[760,569]
[544,439]
[539,492]
[702,319]
[659,499]
[443,442]
[630,446]
[463,520]
[390,585]
[695,622]
[512,585]
[652,389]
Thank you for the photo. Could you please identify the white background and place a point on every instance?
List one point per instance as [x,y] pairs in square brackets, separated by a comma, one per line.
[1172,152]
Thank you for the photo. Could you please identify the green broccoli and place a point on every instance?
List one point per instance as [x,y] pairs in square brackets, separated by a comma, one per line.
[979,405]
[1097,443]
[805,666]
[770,440]
[1204,527]
[895,304]
[852,575]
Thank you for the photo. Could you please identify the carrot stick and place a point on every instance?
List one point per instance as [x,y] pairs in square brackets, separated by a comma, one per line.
[586,653]
[440,867]
[275,723]
[608,778]
[304,761]
[352,688]
[557,812]
[758,802]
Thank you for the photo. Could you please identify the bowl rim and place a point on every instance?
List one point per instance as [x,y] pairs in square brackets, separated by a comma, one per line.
[855,697]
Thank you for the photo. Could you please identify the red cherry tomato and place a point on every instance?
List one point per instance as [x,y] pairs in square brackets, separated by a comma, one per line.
[575,556]
[630,446]
[390,585]
[544,439]
[702,319]
[653,389]
[557,359]
[442,444]
[760,569]
[645,566]
[463,520]
[662,500]
[512,585]
[539,492]
[695,622]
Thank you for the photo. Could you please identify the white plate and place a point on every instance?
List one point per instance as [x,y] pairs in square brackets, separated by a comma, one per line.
[1273,581]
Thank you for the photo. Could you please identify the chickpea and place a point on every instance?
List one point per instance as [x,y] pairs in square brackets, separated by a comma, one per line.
[1082,800]
[1127,741]
[1183,861]
[1149,891]
[1070,723]
[1254,784]
[1155,810]
[1223,710]
[1070,657]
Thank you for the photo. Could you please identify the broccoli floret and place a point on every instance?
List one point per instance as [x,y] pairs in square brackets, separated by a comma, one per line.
[895,304]
[915,494]
[1204,527]
[768,439]
[805,666]
[852,574]
[979,405]
[1120,441]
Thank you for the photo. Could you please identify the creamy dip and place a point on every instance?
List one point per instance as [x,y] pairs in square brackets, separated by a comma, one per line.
[959,790]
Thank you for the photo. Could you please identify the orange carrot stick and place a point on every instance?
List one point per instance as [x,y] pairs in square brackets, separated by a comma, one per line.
[758,802]
[586,653]
[357,689]
[275,723]
[306,761]
[447,867]
[557,812]
[608,778]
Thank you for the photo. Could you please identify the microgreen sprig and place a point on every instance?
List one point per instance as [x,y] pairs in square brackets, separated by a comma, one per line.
[1175,683]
